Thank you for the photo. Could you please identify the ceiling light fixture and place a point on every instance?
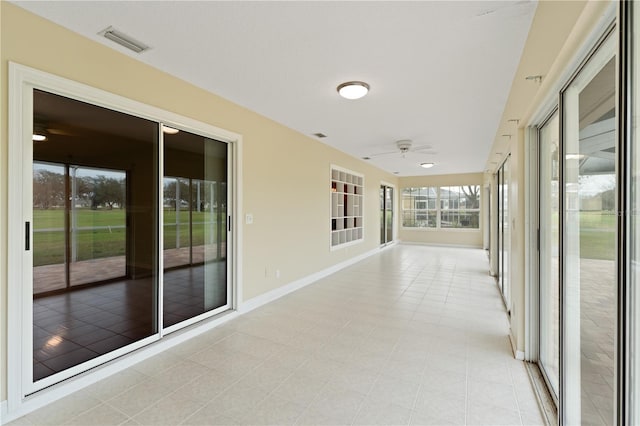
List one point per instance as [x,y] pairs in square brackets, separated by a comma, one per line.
[38,137]
[169,130]
[123,40]
[427,165]
[353,89]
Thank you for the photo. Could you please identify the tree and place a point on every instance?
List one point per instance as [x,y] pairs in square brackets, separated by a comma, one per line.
[472,195]
[48,189]
[108,192]
[171,189]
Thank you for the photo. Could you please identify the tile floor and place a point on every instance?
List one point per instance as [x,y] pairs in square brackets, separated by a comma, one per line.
[82,324]
[413,335]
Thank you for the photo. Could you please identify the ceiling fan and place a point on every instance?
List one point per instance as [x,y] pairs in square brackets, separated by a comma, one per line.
[43,127]
[404,146]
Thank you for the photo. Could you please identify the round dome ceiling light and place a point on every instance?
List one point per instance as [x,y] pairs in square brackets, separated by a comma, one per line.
[427,165]
[353,89]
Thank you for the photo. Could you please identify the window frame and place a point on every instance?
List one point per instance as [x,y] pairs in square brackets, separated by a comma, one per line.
[439,209]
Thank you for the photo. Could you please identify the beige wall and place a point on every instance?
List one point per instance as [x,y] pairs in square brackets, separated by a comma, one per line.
[286,174]
[457,237]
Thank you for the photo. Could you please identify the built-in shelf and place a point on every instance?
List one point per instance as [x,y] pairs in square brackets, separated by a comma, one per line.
[347,196]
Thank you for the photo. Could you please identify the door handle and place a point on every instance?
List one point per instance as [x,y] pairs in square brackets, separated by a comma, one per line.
[27,236]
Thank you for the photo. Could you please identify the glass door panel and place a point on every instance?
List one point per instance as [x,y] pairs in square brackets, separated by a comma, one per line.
[589,277]
[383,222]
[49,227]
[386,214]
[195,217]
[389,213]
[500,227]
[549,223]
[506,235]
[95,232]
[631,15]
[504,232]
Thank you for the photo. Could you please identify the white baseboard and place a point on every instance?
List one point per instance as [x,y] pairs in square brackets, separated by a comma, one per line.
[418,243]
[279,292]
[519,355]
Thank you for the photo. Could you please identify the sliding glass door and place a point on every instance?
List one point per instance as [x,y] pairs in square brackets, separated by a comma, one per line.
[503,230]
[127,230]
[386,214]
[589,240]
[195,218]
[630,272]
[549,251]
[95,276]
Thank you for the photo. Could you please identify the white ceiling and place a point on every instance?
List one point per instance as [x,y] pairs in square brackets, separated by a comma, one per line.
[440,72]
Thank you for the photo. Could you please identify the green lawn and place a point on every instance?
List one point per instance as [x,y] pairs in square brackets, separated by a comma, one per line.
[48,247]
[598,235]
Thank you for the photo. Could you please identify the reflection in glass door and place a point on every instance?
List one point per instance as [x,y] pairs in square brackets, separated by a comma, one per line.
[195,218]
[549,234]
[78,222]
[94,221]
[386,214]
[100,213]
[589,240]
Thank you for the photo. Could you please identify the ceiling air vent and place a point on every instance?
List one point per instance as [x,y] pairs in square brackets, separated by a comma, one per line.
[123,40]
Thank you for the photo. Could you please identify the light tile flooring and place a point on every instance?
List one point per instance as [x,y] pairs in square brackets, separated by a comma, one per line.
[413,335]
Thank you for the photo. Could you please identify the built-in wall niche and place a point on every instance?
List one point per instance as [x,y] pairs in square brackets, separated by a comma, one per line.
[347,206]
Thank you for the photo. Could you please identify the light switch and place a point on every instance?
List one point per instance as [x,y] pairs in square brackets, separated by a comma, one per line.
[248,219]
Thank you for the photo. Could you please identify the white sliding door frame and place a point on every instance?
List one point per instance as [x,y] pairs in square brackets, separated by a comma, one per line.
[22,81]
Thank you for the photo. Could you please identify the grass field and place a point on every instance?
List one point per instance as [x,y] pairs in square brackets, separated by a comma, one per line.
[598,235]
[48,247]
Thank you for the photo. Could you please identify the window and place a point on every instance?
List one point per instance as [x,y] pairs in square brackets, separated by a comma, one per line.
[419,207]
[460,207]
[441,207]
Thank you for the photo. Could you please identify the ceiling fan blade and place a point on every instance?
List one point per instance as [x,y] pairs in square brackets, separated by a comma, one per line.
[422,148]
[383,154]
[59,132]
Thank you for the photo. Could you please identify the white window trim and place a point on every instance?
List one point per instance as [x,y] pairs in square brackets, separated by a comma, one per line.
[20,398]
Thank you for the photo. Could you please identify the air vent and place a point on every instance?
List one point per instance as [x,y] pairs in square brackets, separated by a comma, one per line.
[123,40]
[320,135]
